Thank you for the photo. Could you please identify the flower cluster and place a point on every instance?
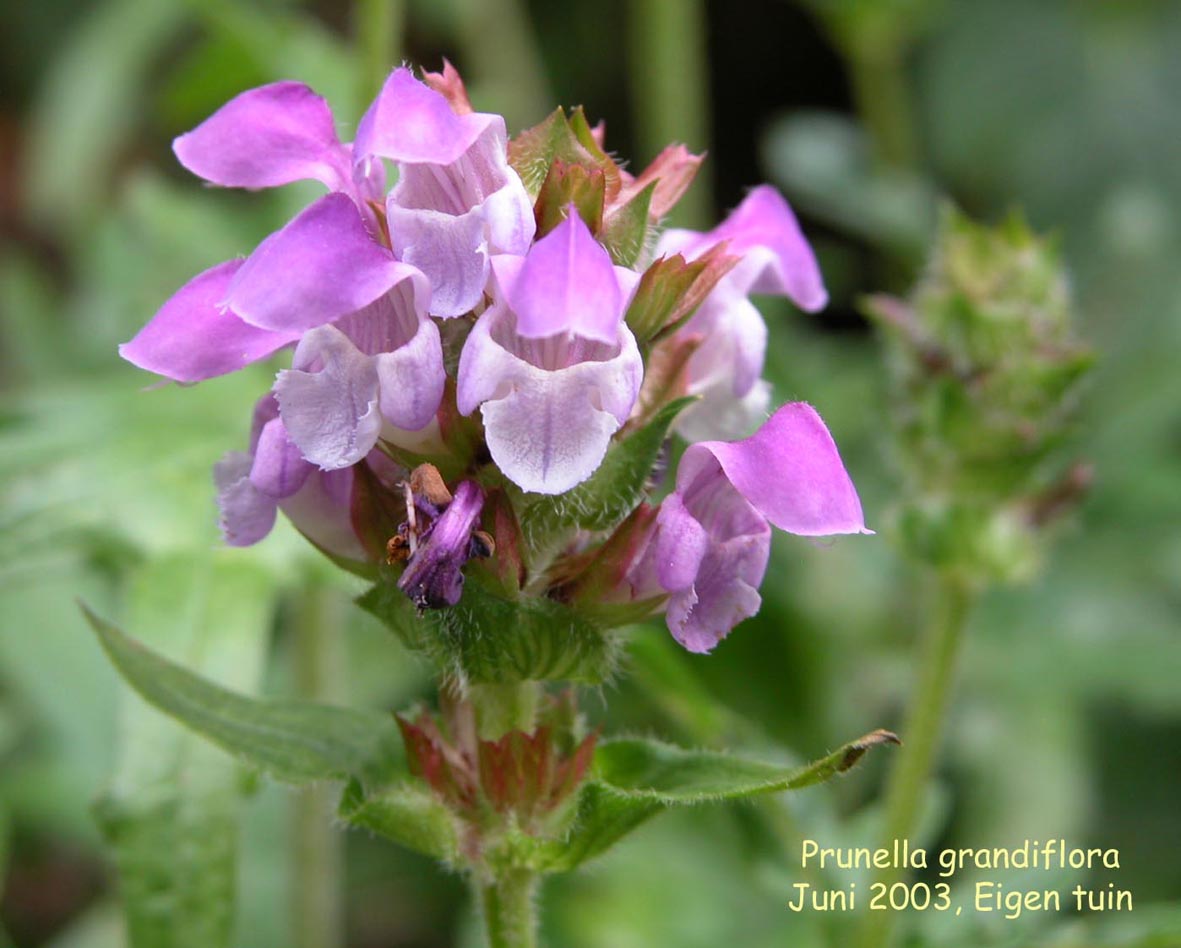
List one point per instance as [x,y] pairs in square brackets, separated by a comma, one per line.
[504,312]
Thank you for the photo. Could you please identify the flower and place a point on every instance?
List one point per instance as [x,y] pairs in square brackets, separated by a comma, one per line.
[457,201]
[710,542]
[253,485]
[727,366]
[433,577]
[353,278]
[554,341]
[377,369]
[551,364]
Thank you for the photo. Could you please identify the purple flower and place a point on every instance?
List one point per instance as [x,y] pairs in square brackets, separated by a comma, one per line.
[727,367]
[457,200]
[325,264]
[375,372]
[709,546]
[551,363]
[433,577]
[345,278]
[252,486]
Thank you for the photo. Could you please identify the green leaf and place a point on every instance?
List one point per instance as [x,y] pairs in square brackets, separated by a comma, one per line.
[293,741]
[487,638]
[406,814]
[625,232]
[171,812]
[634,779]
[611,493]
[533,151]
[292,45]
[671,289]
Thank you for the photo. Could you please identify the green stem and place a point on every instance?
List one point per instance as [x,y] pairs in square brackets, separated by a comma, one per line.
[318,903]
[920,734]
[501,708]
[670,93]
[501,55]
[883,101]
[378,28]
[507,907]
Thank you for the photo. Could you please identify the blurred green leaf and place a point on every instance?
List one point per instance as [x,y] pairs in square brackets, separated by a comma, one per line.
[171,813]
[99,927]
[91,102]
[625,233]
[290,45]
[823,162]
[293,741]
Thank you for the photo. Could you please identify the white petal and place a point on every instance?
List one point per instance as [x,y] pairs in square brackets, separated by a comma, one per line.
[330,411]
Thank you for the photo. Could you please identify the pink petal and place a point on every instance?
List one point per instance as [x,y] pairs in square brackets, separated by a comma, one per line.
[547,430]
[409,122]
[407,352]
[195,337]
[321,512]
[265,137]
[279,469]
[450,250]
[777,257]
[321,266]
[567,284]
[247,514]
[726,592]
[412,379]
[790,470]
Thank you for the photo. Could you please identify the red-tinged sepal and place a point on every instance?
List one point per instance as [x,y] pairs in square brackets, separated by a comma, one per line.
[449,84]
[672,171]
[672,288]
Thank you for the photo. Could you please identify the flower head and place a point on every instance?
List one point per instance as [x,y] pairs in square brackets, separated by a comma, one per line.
[488,324]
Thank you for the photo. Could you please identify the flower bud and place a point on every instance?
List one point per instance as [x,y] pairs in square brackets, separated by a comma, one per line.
[984,372]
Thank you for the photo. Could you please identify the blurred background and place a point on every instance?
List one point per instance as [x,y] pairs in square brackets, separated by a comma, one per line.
[1066,721]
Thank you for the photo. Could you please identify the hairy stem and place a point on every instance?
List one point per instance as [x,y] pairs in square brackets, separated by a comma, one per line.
[501,708]
[920,734]
[507,907]
[878,77]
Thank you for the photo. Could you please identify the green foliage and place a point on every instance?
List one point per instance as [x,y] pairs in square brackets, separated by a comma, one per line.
[172,811]
[633,780]
[565,139]
[984,377]
[625,232]
[293,741]
[406,814]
